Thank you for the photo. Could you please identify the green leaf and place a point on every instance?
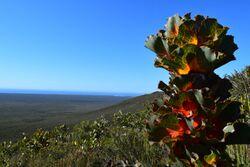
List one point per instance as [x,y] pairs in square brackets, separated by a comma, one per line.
[199,97]
[211,158]
[189,122]
[220,89]
[200,59]
[199,163]
[226,46]
[199,18]
[174,64]
[151,121]
[165,88]
[210,30]
[157,134]
[158,45]
[241,135]
[210,55]
[229,111]
[163,110]
[187,16]
[228,129]
[195,81]
[187,33]
[172,26]
[178,99]
[170,121]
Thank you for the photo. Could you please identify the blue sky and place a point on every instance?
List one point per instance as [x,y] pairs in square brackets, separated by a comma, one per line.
[96,45]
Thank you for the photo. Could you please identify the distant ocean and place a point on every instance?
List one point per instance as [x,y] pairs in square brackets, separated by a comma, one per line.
[62,92]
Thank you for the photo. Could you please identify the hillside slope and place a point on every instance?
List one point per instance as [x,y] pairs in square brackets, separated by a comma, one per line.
[26,113]
[130,105]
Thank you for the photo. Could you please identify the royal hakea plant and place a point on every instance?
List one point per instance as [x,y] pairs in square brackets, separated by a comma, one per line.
[195,117]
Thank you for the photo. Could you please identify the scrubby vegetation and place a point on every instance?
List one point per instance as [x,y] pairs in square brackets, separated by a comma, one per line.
[241,92]
[241,89]
[116,142]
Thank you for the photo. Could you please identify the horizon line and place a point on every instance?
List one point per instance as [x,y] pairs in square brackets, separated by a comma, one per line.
[67,92]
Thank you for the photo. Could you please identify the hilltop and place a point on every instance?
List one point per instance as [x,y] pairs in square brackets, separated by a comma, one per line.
[130,105]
